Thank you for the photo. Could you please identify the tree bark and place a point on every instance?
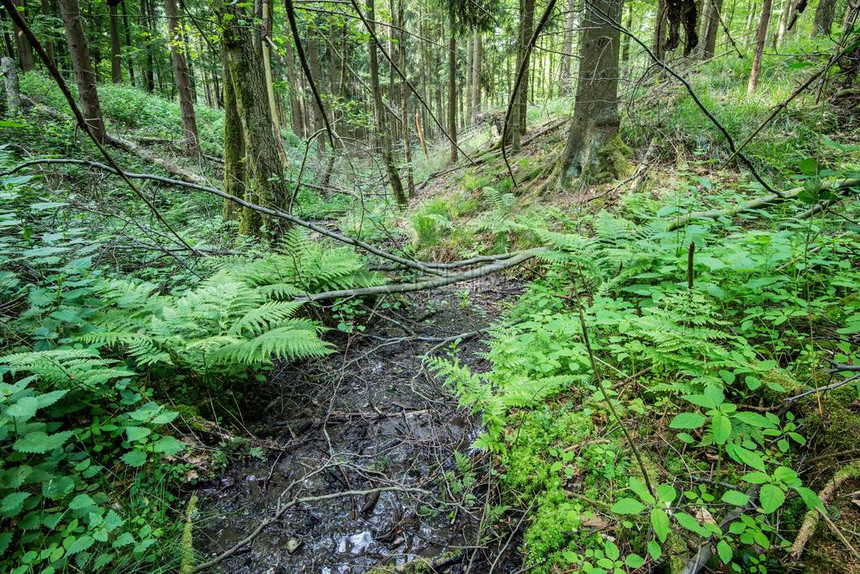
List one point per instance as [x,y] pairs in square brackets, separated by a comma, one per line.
[180,72]
[149,67]
[452,93]
[383,138]
[267,72]
[567,56]
[477,64]
[595,116]
[125,24]
[659,39]
[25,51]
[13,90]
[115,56]
[85,79]
[521,98]
[296,112]
[48,43]
[319,122]
[760,40]
[235,176]
[824,15]
[625,39]
[404,101]
[710,27]
[263,162]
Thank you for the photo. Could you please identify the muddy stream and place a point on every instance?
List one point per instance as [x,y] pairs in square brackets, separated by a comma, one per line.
[368,418]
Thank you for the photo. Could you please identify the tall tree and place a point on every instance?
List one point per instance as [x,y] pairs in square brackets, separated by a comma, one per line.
[235,176]
[760,40]
[146,17]
[85,79]
[383,138]
[115,56]
[262,158]
[477,66]
[452,93]
[180,73]
[521,98]
[710,27]
[404,100]
[265,41]
[824,15]
[567,49]
[25,51]
[595,114]
[127,27]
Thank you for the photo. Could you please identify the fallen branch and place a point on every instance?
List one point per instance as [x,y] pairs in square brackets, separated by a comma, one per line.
[426,267]
[389,289]
[758,203]
[810,521]
[826,388]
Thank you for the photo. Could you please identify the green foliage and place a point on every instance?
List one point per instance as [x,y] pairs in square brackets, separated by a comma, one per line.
[702,355]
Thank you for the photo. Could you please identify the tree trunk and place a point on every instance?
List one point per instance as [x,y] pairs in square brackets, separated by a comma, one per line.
[115,56]
[595,115]
[478,63]
[296,112]
[468,80]
[760,40]
[404,100]
[25,51]
[48,43]
[130,60]
[13,90]
[452,93]
[235,176]
[180,72]
[314,65]
[382,136]
[710,27]
[7,38]
[85,79]
[521,98]
[824,17]
[625,39]
[659,39]
[149,68]
[262,157]
[267,73]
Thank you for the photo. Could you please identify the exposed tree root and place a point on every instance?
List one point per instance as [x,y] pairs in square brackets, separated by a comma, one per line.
[810,522]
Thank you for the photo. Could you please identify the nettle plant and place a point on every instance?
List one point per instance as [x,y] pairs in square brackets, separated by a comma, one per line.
[72,425]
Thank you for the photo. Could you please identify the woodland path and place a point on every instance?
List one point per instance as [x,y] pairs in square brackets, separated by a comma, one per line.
[370,416]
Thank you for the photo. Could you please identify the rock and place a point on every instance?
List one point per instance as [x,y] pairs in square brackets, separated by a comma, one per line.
[293,545]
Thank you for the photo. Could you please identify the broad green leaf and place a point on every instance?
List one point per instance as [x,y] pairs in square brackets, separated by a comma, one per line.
[39,442]
[135,434]
[655,551]
[721,427]
[641,491]
[689,523]
[660,523]
[74,545]
[754,419]
[725,551]
[756,477]
[168,445]
[81,501]
[135,458]
[628,506]
[23,409]
[771,498]
[687,421]
[611,550]
[735,497]
[633,561]
[5,539]
[810,498]
[12,503]
[748,457]
[666,493]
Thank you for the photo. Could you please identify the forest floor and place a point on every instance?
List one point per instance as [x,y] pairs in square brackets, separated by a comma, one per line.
[366,418]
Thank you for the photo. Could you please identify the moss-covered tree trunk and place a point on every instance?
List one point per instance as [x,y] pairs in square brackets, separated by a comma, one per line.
[383,138]
[595,116]
[263,163]
[235,176]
